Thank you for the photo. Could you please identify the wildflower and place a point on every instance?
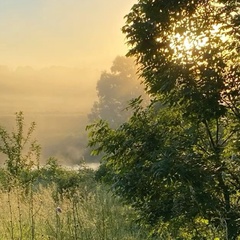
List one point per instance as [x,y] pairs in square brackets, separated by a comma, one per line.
[58,210]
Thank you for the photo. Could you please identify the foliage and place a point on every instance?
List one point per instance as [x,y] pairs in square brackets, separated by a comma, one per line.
[22,153]
[177,161]
[52,202]
[155,162]
[188,52]
[67,181]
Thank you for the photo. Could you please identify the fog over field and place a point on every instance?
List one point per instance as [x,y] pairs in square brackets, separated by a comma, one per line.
[58,99]
[53,89]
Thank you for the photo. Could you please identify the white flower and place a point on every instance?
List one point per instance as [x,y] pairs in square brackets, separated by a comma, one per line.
[58,210]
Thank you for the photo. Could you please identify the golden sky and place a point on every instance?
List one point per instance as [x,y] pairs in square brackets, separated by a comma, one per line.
[73,33]
[52,52]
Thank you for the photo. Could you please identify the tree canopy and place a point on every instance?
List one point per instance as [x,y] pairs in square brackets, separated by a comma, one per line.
[178,160]
[115,89]
[189,51]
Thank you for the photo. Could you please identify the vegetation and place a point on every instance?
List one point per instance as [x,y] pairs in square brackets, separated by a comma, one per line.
[95,215]
[174,165]
[51,202]
[177,161]
[22,155]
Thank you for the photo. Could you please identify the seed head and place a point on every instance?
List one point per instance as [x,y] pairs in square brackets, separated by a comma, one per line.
[58,210]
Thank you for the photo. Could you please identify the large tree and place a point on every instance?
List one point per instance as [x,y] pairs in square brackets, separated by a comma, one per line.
[178,161]
[115,89]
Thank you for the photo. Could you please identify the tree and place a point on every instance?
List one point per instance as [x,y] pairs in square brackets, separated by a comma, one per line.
[115,89]
[178,160]
[22,153]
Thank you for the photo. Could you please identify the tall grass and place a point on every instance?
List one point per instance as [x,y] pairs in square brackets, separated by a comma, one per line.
[96,215]
[52,202]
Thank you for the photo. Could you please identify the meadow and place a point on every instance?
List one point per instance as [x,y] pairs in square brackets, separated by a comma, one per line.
[64,205]
[50,201]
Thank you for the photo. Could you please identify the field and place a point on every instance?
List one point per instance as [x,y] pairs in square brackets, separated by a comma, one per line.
[51,211]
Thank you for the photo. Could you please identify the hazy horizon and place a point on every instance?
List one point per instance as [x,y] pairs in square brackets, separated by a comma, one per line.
[53,52]
[52,55]
[52,89]
[58,99]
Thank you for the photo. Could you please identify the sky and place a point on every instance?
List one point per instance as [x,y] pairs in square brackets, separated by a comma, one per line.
[52,52]
[73,33]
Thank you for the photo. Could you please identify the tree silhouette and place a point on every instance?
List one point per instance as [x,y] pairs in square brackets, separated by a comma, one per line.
[115,89]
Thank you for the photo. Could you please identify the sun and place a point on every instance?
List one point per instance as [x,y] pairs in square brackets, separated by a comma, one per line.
[184,46]
[193,40]
[198,37]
